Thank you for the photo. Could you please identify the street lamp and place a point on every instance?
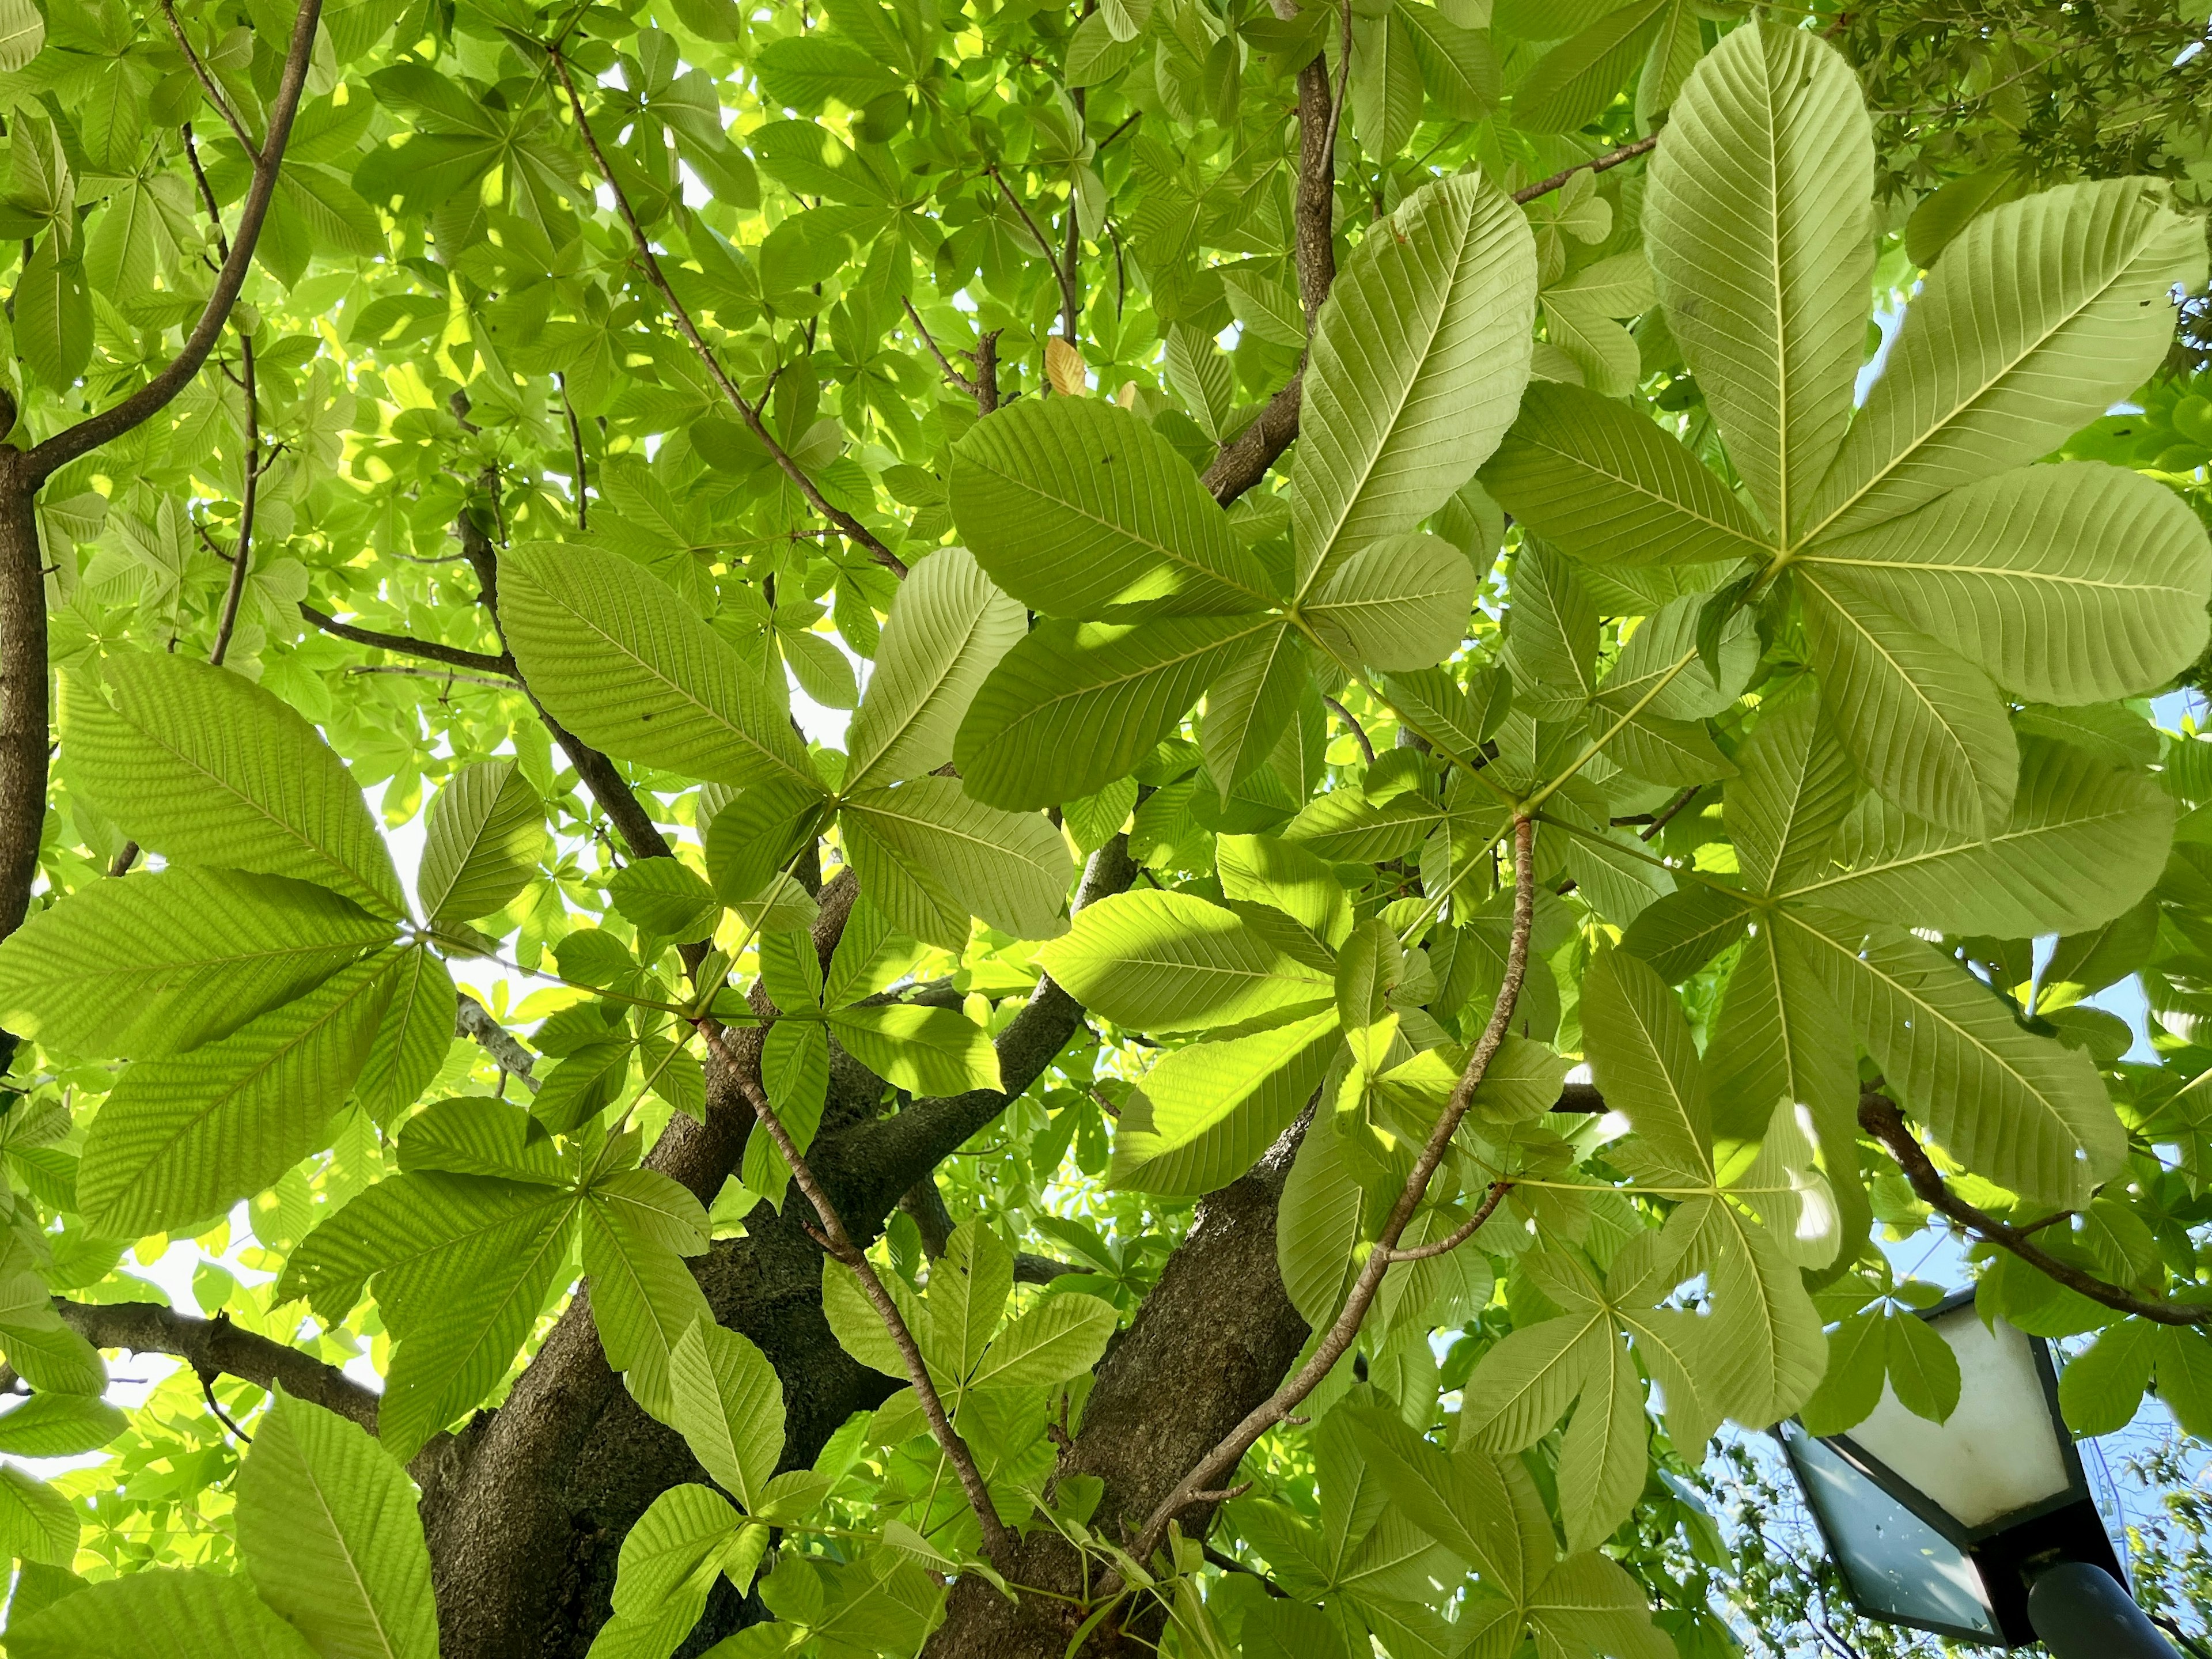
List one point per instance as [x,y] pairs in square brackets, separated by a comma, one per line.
[1981,1529]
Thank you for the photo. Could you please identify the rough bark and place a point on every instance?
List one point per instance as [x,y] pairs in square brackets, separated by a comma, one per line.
[23,693]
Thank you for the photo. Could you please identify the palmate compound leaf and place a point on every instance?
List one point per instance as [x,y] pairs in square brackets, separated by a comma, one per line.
[1075,706]
[1761,1354]
[205,768]
[1252,702]
[625,663]
[485,834]
[180,1141]
[2069,584]
[1077,507]
[729,1409]
[160,1613]
[161,962]
[923,841]
[948,628]
[1485,1510]
[2036,318]
[1203,1115]
[687,1537]
[924,1051]
[329,1532]
[1171,962]
[1418,360]
[1759,225]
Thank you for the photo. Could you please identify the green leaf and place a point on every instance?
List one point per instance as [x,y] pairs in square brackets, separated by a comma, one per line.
[663,897]
[2038,317]
[1570,85]
[1762,1355]
[36,1523]
[205,768]
[473,1135]
[1760,226]
[486,832]
[1078,508]
[918,843]
[180,1141]
[328,1533]
[1058,1339]
[2025,1110]
[1277,873]
[948,628]
[1603,483]
[412,1038]
[1924,1371]
[1076,705]
[924,1051]
[2101,1389]
[638,1227]
[58,1425]
[2083,845]
[1251,704]
[1401,603]
[1418,360]
[2065,584]
[161,962]
[1459,71]
[1155,961]
[53,315]
[668,1564]
[1641,1054]
[621,662]
[755,837]
[1794,793]
[1922,726]
[159,1613]
[1204,1115]
[729,1407]
[1850,1388]
[858,1329]
[22,34]
[968,1286]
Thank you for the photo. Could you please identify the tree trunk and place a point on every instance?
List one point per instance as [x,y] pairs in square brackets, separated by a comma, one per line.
[24,712]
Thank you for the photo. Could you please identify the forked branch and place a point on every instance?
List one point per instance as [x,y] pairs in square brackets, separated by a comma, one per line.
[1223,1460]
[1880,1117]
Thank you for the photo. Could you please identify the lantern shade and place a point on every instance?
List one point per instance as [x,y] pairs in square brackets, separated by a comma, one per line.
[1934,1523]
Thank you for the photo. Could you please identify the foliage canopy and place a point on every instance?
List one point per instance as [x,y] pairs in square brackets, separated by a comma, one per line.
[1026,831]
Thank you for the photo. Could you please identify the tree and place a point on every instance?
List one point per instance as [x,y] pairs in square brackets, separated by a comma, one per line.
[1000,1179]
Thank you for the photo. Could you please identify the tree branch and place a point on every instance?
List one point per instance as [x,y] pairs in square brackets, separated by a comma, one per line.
[1224,1458]
[1880,1117]
[1599,164]
[215,94]
[1244,459]
[925,1206]
[90,433]
[1069,303]
[1358,731]
[210,1345]
[851,527]
[241,552]
[407,645]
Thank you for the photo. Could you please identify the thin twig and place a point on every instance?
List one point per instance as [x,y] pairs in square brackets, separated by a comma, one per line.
[1195,1486]
[748,412]
[207,191]
[207,82]
[959,380]
[443,676]
[207,1387]
[1880,1117]
[576,450]
[998,1542]
[1597,164]
[1673,808]
[241,557]
[1358,731]
[1460,1234]
[1069,302]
